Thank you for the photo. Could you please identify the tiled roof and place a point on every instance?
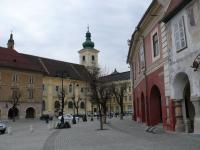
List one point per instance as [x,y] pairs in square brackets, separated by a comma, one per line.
[12,59]
[55,68]
[117,77]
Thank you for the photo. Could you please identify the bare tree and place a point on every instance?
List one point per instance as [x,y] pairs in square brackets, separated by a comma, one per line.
[119,91]
[16,95]
[76,104]
[100,95]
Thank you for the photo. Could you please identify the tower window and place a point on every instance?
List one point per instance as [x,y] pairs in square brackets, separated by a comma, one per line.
[83,58]
[92,57]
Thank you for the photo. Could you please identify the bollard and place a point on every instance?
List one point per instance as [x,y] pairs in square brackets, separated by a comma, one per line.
[31,128]
[9,130]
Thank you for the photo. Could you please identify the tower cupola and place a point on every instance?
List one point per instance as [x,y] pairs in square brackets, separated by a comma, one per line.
[88,43]
[11,42]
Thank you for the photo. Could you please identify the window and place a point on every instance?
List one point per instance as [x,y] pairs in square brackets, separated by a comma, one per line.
[130,98]
[70,104]
[92,57]
[156,50]
[141,56]
[30,93]
[15,77]
[82,90]
[179,35]
[129,88]
[14,94]
[57,88]
[70,88]
[31,79]
[83,58]
[82,105]
[125,98]
[43,87]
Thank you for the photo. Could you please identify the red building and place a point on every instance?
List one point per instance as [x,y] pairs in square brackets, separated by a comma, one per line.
[147,59]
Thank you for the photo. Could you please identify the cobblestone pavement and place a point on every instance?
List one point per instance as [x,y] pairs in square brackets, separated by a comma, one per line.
[22,138]
[118,135]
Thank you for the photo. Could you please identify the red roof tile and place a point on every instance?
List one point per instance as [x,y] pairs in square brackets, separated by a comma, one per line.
[12,59]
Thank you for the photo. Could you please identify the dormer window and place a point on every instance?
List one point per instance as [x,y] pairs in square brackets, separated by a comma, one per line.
[83,58]
[92,57]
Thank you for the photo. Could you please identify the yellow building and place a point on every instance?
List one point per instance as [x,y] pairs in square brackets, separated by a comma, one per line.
[117,79]
[20,79]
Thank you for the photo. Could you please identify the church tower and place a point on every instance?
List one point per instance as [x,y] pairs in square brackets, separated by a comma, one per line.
[89,55]
[11,42]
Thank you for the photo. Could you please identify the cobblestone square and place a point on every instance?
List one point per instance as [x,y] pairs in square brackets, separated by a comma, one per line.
[117,135]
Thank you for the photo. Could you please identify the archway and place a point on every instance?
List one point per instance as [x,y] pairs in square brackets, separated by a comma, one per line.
[13,112]
[155,106]
[182,91]
[30,112]
[143,107]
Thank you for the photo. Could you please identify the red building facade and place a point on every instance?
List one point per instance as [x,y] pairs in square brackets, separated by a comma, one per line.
[147,60]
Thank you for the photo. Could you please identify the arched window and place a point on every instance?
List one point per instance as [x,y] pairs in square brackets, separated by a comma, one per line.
[70,104]
[92,57]
[82,105]
[83,58]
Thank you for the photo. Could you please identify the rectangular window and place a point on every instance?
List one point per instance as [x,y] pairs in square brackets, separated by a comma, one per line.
[82,90]
[15,77]
[14,93]
[141,56]
[43,87]
[57,88]
[179,34]
[92,57]
[130,98]
[31,79]
[70,88]
[30,93]
[156,50]
[83,58]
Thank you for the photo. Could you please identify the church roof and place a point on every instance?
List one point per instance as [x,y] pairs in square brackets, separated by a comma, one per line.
[55,68]
[12,59]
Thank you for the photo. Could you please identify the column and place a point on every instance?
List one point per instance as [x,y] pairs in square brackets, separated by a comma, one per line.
[179,126]
[197,116]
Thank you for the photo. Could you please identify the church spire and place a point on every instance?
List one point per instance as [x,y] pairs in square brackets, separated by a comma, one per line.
[88,43]
[11,42]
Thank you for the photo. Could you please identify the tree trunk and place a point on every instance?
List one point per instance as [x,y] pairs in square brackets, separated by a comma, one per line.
[121,112]
[100,118]
[77,111]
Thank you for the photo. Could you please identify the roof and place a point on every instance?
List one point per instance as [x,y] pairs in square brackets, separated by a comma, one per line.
[174,7]
[12,59]
[117,76]
[56,68]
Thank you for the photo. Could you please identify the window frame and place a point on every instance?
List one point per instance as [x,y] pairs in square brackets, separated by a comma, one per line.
[181,18]
[153,33]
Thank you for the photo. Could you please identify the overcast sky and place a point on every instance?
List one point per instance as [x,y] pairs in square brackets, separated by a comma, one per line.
[56,28]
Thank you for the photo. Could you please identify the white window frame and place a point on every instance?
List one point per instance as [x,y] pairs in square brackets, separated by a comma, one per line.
[152,50]
[177,34]
[31,79]
[15,77]
[141,57]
